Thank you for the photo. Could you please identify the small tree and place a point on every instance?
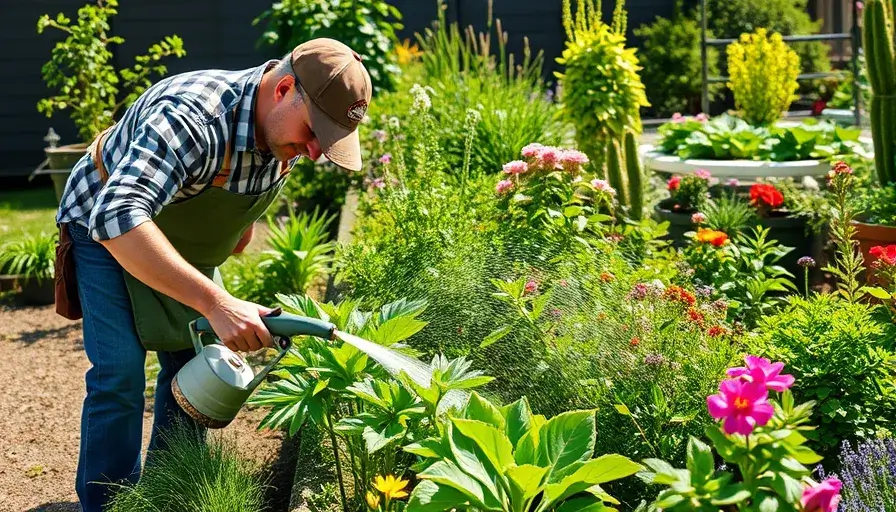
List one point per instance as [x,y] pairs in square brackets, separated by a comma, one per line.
[80,69]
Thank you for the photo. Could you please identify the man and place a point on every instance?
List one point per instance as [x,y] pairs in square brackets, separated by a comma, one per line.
[164,197]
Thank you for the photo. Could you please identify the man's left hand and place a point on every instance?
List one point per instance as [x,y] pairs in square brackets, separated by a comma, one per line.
[244,241]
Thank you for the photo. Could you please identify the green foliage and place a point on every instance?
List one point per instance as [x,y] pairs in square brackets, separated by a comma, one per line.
[731,18]
[503,458]
[878,43]
[842,356]
[670,54]
[366,26]
[32,256]
[80,69]
[763,77]
[729,213]
[194,473]
[877,204]
[635,177]
[314,186]
[727,137]
[602,91]
[770,461]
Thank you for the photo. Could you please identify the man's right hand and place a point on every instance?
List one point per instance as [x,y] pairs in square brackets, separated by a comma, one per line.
[238,324]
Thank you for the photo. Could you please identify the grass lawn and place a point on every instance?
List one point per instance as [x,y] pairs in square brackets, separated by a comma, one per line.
[26,211]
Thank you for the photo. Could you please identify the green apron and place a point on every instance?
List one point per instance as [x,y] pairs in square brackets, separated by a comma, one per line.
[204,229]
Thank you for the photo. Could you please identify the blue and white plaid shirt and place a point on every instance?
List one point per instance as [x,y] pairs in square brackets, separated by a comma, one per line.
[169,146]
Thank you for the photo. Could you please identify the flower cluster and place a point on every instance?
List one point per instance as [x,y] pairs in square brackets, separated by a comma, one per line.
[710,236]
[678,118]
[868,474]
[884,256]
[765,197]
[690,191]
[549,158]
[676,293]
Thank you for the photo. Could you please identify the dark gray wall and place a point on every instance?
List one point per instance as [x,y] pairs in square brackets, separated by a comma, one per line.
[219,34]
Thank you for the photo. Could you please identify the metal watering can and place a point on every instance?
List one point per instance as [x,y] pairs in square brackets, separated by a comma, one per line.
[214,385]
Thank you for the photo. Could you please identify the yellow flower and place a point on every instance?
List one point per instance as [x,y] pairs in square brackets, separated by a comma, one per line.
[407,52]
[373,501]
[716,238]
[391,487]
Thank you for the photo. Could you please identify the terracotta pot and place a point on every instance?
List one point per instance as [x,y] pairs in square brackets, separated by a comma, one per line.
[61,162]
[870,235]
[679,222]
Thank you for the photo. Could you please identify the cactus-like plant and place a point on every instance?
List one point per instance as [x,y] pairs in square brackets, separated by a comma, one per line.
[879,51]
[633,170]
[614,170]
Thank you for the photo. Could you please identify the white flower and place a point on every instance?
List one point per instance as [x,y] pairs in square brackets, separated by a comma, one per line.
[422,101]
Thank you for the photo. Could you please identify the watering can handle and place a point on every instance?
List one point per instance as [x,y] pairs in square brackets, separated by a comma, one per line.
[278,323]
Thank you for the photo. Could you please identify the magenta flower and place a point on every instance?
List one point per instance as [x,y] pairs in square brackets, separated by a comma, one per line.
[824,497]
[603,186]
[698,218]
[531,150]
[733,182]
[761,371]
[743,405]
[516,167]
[385,159]
[503,186]
[549,157]
[703,174]
[572,160]
[531,286]
[702,117]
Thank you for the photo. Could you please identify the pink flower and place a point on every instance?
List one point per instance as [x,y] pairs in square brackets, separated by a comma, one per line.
[762,371]
[677,118]
[702,117]
[743,405]
[516,167]
[824,497]
[603,186]
[503,186]
[549,157]
[698,218]
[703,174]
[673,183]
[531,286]
[385,159]
[572,160]
[531,150]
[860,6]
[378,183]
[379,135]
[733,183]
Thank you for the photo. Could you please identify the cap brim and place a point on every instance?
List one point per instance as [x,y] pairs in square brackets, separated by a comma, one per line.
[340,145]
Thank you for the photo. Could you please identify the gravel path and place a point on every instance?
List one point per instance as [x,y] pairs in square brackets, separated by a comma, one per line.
[42,367]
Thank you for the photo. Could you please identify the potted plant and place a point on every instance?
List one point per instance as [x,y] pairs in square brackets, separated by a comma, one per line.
[876,224]
[32,260]
[81,71]
[688,194]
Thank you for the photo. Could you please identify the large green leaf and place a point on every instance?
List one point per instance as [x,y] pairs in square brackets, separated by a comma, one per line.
[566,438]
[525,481]
[429,496]
[597,471]
[480,409]
[518,419]
[474,461]
[396,329]
[583,504]
[448,474]
[491,441]
[379,439]
[700,461]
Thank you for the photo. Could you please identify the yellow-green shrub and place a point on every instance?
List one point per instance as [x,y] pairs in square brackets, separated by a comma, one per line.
[763,77]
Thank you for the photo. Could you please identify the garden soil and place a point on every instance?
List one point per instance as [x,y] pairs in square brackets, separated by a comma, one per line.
[42,368]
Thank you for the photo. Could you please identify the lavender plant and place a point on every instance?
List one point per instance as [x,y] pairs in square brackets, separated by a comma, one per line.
[868,473]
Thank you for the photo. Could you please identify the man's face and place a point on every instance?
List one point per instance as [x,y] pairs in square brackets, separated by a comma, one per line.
[287,127]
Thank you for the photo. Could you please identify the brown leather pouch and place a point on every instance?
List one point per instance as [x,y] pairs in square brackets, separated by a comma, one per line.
[68,304]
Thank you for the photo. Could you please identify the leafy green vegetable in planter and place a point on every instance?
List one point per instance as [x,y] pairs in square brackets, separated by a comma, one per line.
[34,256]
[728,137]
[508,459]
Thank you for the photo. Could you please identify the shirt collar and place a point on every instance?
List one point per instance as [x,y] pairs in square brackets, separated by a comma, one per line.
[244,139]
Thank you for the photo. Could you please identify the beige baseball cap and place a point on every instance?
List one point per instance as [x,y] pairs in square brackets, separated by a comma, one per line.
[339,91]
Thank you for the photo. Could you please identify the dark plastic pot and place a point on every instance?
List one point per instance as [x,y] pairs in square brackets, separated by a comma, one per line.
[39,293]
[679,222]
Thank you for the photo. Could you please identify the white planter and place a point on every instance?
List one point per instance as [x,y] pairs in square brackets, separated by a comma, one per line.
[742,170]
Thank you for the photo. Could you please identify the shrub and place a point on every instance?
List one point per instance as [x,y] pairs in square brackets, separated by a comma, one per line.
[843,358]
[34,257]
[194,473]
[670,54]
[80,69]
[763,73]
[366,26]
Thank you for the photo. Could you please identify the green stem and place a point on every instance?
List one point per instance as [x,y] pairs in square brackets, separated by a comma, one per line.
[338,463]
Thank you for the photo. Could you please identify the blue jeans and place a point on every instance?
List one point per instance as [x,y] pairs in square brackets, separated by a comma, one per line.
[112,416]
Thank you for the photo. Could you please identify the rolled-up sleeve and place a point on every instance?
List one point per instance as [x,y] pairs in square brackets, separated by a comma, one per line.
[168,148]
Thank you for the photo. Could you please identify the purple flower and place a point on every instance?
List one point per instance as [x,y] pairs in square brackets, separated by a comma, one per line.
[654,359]
[704,291]
[806,261]
[379,135]
[386,159]
[733,183]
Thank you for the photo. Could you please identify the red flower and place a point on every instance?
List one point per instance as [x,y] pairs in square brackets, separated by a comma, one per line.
[607,277]
[673,183]
[679,294]
[635,341]
[885,255]
[764,194]
[716,330]
[694,315]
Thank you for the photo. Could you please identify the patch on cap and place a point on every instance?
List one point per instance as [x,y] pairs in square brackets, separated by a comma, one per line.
[357,111]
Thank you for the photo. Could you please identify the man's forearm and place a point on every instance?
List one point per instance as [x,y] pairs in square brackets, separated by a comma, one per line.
[148,255]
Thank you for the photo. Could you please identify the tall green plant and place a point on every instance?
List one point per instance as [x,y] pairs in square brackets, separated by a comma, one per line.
[764,74]
[80,69]
[366,26]
[33,257]
[602,92]
[879,47]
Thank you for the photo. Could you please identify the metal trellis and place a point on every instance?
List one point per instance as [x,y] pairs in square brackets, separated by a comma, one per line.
[853,35]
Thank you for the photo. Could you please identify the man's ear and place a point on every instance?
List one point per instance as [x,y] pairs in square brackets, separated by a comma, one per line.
[284,85]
